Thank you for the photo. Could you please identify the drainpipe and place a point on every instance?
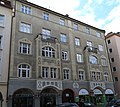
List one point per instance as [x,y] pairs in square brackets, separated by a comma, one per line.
[13,15]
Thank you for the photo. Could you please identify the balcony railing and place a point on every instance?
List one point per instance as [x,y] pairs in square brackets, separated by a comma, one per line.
[91,49]
[48,38]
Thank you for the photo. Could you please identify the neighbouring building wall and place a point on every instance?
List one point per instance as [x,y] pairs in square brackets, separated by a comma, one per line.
[5,32]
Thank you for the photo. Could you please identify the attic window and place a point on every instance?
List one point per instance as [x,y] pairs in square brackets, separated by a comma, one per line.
[2,2]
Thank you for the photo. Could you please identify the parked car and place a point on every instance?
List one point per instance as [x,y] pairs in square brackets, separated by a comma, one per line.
[86,104]
[67,105]
[89,105]
[114,103]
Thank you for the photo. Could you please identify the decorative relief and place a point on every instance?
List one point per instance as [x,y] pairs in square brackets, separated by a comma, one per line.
[39,60]
[93,85]
[44,83]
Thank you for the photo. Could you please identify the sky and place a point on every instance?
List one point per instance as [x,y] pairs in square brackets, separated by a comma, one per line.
[103,14]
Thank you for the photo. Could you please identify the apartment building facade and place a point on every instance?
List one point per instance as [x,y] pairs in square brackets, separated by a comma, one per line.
[112,40]
[5,32]
[55,59]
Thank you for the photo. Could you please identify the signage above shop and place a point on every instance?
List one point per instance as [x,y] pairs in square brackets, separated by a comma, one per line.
[83,92]
[108,91]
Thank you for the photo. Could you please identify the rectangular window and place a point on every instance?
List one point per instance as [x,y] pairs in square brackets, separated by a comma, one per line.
[79,58]
[109,41]
[24,27]
[88,30]
[24,48]
[98,34]
[114,68]
[46,33]
[112,60]
[64,55]
[63,38]
[116,78]
[2,18]
[100,47]
[53,73]
[0,42]
[77,41]
[104,62]
[62,22]
[26,9]
[110,50]
[89,43]
[45,16]
[75,26]
[45,72]
[66,74]
[81,75]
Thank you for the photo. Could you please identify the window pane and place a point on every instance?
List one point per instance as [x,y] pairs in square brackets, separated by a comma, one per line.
[63,38]
[2,20]
[77,41]
[24,27]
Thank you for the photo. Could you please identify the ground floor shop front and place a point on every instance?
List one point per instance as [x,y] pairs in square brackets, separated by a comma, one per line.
[52,93]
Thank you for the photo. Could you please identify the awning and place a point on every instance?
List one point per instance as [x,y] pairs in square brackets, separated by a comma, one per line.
[83,92]
[108,91]
[97,91]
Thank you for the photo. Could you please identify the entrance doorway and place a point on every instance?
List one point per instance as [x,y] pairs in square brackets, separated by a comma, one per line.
[67,96]
[48,97]
[22,98]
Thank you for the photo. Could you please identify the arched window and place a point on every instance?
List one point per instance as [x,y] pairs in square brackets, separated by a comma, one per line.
[93,59]
[24,71]
[48,52]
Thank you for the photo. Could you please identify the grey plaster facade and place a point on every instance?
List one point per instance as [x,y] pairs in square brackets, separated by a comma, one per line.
[66,78]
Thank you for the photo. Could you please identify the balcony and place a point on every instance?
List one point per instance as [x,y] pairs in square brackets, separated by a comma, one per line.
[48,38]
[92,49]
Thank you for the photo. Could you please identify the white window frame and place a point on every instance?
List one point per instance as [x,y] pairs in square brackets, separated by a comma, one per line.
[66,74]
[95,76]
[79,57]
[103,61]
[106,76]
[100,47]
[64,55]
[75,26]
[48,52]
[89,43]
[63,37]
[45,72]
[45,16]
[77,41]
[25,27]
[22,69]
[2,20]
[81,75]
[87,30]
[98,34]
[62,22]
[25,48]
[26,9]
[53,73]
